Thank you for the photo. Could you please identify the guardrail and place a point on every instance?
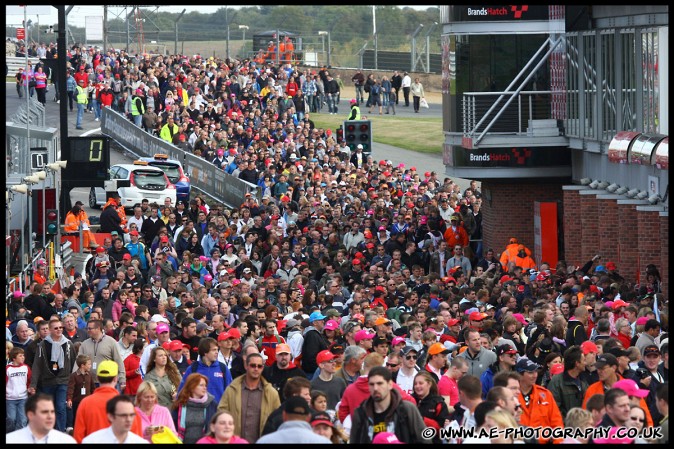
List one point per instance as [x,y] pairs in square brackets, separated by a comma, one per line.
[203,175]
[22,280]
[14,62]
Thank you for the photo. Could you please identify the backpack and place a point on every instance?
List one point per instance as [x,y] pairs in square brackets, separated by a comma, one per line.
[374,89]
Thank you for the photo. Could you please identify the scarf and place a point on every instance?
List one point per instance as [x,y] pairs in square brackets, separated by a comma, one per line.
[57,351]
[201,400]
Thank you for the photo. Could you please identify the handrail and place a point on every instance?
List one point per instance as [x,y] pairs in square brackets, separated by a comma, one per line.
[512,83]
[517,92]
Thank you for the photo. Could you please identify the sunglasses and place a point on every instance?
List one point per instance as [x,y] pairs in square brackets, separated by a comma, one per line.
[411,357]
[634,418]
[256,366]
[392,365]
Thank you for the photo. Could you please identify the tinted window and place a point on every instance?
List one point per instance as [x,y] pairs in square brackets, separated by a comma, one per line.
[171,170]
[149,180]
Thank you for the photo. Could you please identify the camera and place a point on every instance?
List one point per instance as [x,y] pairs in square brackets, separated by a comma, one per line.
[642,373]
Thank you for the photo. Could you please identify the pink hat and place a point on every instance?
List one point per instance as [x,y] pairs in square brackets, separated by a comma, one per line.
[331,325]
[397,341]
[386,438]
[363,334]
[631,388]
[519,317]
[208,278]
[18,294]
[642,320]
[162,327]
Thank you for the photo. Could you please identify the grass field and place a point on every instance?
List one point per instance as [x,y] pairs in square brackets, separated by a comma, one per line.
[416,134]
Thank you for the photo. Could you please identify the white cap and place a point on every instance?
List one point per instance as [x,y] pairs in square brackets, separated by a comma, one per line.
[360,146]
[156,318]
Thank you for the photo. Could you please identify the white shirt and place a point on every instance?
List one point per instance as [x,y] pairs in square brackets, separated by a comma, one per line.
[406,82]
[405,382]
[26,436]
[108,437]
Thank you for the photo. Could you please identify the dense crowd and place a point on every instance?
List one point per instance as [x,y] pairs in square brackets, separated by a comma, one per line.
[354,303]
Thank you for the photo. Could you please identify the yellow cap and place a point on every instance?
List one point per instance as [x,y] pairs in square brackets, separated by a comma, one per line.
[107,368]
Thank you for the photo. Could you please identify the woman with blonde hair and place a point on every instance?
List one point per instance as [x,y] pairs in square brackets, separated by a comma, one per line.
[152,415]
[501,420]
[193,409]
[164,374]
[577,418]
[221,430]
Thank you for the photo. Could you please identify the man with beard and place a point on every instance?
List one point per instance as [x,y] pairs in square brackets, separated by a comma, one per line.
[282,370]
[385,411]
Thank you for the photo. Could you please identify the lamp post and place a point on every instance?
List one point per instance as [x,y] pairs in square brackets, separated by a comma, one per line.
[244,28]
[42,175]
[326,33]
[19,188]
[30,180]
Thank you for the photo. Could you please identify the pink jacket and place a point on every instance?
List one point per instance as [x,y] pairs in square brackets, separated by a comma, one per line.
[160,416]
[212,440]
[357,392]
[117,309]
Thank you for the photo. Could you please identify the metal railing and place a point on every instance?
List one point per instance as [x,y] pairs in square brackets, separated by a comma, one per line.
[22,279]
[513,118]
[509,95]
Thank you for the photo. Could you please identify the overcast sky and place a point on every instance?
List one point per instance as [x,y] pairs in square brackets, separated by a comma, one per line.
[77,16]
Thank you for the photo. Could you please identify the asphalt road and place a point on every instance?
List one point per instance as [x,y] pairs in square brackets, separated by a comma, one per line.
[424,162]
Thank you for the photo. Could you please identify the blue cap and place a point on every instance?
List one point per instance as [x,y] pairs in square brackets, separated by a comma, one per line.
[525,364]
[316,316]
[600,268]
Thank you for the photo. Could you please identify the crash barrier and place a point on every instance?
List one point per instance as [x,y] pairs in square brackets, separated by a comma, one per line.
[203,175]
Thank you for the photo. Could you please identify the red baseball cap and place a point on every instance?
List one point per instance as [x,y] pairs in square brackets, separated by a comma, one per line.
[589,346]
[324,356]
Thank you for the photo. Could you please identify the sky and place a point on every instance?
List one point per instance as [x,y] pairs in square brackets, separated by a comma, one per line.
[77,16]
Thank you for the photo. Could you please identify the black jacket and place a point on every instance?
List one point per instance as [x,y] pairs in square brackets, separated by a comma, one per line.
[407,421]
[110,220]
[314,342]
[43,365]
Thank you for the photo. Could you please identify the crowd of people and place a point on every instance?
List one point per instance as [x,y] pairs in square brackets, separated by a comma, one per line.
[353,303]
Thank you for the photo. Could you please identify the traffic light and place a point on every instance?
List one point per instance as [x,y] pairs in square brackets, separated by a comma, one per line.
[52,221]
[340,134]
[358,132]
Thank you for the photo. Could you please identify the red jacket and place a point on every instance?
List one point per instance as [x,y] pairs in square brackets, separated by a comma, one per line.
[357,392]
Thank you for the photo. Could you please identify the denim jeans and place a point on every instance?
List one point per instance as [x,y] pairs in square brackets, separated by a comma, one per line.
[80,113]
[16,411]
[95,105]
[58,392]
[137,119]
[359,93]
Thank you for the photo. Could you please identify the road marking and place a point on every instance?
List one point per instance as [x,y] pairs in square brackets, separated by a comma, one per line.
[88,133]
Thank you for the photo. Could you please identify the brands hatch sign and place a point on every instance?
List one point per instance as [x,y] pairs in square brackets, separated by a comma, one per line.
[512,157]
[476,13]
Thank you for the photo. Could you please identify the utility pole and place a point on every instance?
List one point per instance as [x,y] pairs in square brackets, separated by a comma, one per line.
[175,30]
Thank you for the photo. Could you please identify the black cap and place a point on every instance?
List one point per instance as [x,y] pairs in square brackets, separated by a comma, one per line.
[297,405]
[606,359]
[618,352]
[380,340]
[407,349]
[505,349]
[651,350]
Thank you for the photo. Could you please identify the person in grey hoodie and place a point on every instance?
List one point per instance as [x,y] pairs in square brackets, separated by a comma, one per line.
[54,361]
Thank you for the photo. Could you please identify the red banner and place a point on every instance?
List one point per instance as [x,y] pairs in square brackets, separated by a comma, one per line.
[20,33]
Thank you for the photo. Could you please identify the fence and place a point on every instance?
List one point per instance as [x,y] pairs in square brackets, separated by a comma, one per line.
[13,64]
[203,175]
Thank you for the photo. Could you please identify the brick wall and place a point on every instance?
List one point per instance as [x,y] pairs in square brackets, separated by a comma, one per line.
[572,227]
[608,238]
[628,245]
[664,253]
[510,213]
[648,226]
[589,219]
